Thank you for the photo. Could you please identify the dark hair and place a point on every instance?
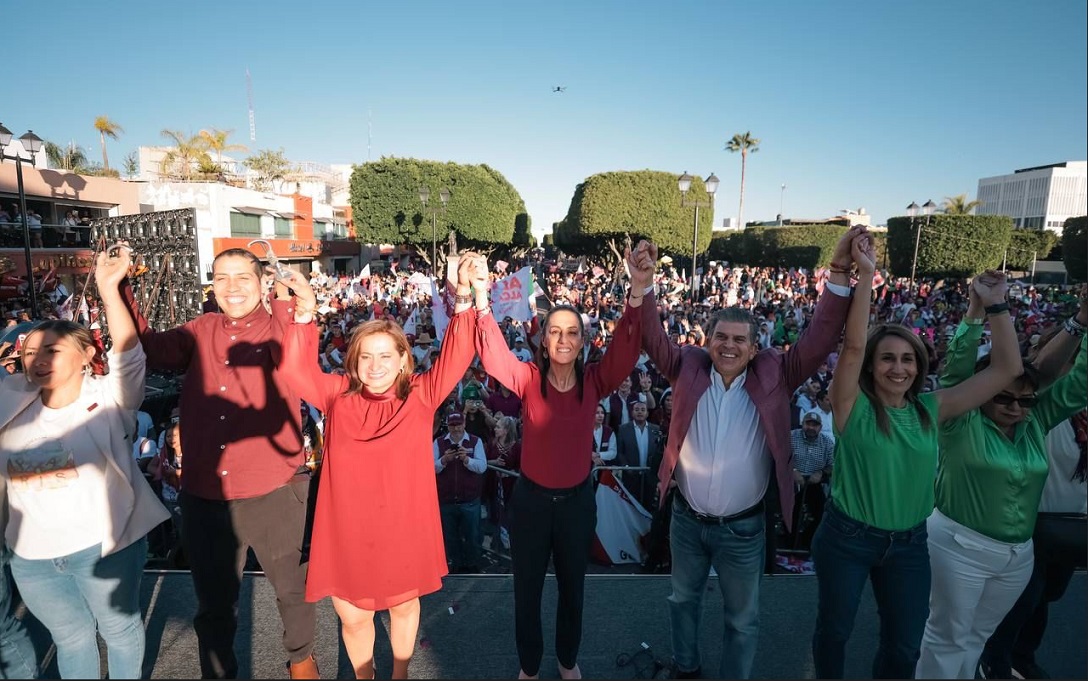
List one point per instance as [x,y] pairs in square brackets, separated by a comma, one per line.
[544,363]
[735,314]
[921,358]
[351,359]
[258,266]
[63,328]
[1030,376]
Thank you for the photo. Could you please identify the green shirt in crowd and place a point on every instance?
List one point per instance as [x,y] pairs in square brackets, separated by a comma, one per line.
[984,480]
[886,481]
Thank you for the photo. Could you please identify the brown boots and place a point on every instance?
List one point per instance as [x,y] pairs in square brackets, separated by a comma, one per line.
[307,669]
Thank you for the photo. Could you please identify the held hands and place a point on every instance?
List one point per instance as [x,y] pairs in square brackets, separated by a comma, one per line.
[991,286]
[304,293]
[845,248]
[863,253]
[641,262]
[111,267]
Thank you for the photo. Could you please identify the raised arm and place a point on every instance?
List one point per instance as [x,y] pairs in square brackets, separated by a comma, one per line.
[300,366]
[1005,364]
[128,365]
[844,389]
[458,348]
[664,353]
[618,363]
[963,350]
[1068,395]
[497,359]
[170,350]
[1053,359]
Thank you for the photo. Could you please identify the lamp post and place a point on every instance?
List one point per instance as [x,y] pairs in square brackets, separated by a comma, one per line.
[912,210]
[444,197]
[32,144]
[711,187]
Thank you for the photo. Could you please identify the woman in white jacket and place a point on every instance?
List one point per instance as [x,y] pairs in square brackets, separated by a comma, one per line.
[78,507]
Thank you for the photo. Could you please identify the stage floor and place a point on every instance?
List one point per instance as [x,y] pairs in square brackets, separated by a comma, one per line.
[466,630]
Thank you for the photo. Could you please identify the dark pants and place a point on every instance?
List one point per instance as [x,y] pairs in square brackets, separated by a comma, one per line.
[846,553]
[560,525]
[216,536]
[1060,548]
[461,532]
[808,509]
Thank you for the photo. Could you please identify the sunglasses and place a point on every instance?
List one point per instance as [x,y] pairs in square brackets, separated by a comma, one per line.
[1027,401]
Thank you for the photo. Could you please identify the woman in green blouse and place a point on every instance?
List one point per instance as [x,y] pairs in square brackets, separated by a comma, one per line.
[992,469]
[874,527]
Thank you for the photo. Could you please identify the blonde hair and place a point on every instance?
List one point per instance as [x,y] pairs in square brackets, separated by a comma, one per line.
[355,349]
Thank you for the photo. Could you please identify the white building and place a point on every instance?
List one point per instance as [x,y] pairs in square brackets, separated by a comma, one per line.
[1037,198]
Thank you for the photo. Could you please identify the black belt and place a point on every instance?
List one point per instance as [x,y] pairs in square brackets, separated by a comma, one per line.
[555,493]
[755,510]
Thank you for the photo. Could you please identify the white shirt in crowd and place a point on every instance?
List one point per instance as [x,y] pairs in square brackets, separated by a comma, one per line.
[605,450]
[1062,493]
[478,462]
[642,441]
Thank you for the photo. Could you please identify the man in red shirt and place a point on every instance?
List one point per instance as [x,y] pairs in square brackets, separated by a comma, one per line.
[246,483]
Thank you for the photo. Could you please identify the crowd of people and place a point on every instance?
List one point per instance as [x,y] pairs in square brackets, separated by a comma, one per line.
[917,437]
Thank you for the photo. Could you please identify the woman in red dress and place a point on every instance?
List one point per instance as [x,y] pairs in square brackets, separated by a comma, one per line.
[377,535]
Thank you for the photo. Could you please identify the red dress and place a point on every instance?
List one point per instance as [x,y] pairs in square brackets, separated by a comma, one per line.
[377,536]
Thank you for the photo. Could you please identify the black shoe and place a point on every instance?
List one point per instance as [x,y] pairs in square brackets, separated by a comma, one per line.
[1028,670]
[696,673]
[986,670]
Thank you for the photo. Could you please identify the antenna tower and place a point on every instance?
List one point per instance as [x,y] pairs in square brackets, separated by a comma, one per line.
[249,98]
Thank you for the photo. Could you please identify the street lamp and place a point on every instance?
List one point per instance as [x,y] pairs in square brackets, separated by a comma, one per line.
[444,197]
[32,144]
[912,210]
[685,185]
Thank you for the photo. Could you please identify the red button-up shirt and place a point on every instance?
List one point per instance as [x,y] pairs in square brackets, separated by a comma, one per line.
[240,424]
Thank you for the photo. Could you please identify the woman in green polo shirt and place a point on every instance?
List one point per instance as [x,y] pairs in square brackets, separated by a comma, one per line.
[992,469]
[874,527]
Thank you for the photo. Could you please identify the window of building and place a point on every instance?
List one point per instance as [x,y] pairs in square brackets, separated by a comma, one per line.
[242,224]
[320,229]
[283,228]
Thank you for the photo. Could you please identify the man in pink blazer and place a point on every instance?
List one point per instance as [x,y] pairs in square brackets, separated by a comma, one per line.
[730,429]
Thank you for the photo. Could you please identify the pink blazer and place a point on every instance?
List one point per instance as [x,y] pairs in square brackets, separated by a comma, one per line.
[772,378]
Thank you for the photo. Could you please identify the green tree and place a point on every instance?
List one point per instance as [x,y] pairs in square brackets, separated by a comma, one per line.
[131,164]
[1075,247]
[71,158]
[216,141]
[745,144]
[269,166]
[643,204]
[185,157]
[484,208]
[106,128]
[1027,245]
[959,205]
[950,245]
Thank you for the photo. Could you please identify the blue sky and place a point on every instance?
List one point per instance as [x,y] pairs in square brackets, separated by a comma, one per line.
[857,104]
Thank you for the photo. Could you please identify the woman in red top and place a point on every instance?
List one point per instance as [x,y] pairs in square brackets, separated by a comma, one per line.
[377,536]
[552,509]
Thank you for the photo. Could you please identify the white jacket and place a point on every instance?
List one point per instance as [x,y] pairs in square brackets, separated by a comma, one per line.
[134,507]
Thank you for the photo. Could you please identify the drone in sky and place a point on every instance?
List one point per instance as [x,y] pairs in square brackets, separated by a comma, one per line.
[559,88]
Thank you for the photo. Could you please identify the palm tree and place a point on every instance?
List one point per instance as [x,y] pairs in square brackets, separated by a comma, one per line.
[743,143]
[106,128]
[71,157]
[217,142]
[187,152]
[959,205]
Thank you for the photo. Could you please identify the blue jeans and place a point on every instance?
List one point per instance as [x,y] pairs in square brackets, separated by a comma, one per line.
[18,660]
[73,594]
[736,550]
[846,553]
[461,532]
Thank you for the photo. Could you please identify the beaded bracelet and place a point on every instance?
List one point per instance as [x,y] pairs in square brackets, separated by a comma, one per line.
[1074,328]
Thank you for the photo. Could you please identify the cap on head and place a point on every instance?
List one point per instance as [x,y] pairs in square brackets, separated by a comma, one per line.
[455,418]
[813,416]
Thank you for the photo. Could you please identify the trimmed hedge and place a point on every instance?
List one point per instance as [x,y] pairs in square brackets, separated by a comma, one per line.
[807,246]
[950,246]
[1024,242]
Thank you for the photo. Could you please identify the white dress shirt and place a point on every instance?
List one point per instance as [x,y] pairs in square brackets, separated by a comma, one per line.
[642,441]
[477,463]
[724,466]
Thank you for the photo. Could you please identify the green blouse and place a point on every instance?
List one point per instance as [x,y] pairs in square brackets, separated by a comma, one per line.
[986,481]
[886,481]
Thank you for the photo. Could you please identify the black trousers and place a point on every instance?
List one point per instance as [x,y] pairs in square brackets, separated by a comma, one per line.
[216,536]
[558,525]
[811,498]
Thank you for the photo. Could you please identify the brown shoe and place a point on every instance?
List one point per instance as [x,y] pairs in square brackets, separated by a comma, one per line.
[307,669]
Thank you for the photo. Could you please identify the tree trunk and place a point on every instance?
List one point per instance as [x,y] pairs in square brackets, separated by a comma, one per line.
[105,158]
[740,211]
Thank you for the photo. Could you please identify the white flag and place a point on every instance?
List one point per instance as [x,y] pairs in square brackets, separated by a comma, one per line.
[411,323]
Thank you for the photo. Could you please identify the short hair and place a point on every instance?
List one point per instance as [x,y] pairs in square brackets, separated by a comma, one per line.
[258,266]
[735,314]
